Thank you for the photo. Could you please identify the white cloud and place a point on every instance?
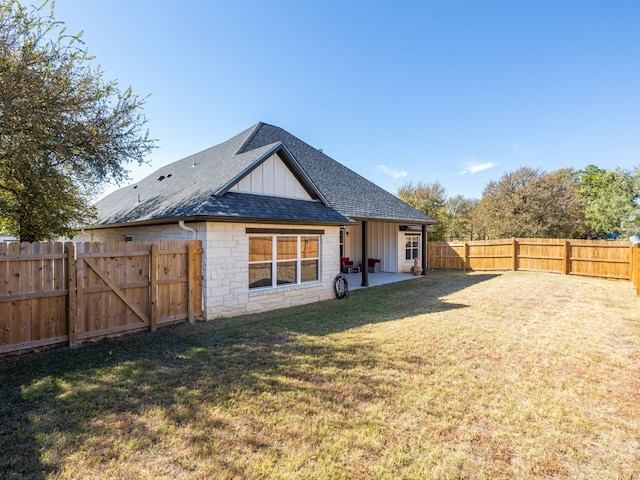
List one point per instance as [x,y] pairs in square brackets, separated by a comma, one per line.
[475,167]
[392,172]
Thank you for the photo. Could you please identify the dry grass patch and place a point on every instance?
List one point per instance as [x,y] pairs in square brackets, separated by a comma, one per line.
[516,375]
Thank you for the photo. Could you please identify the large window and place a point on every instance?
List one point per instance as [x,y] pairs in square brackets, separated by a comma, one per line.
[412,246]
[277,260]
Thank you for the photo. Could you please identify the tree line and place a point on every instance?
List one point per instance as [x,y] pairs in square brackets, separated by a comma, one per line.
[592,203]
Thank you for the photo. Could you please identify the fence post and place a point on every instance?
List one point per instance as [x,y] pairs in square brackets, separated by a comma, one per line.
[73,298]
[567,257]
[515,254]
[465,265]
[636,267]
[190,280]
[80,280]
[153,286]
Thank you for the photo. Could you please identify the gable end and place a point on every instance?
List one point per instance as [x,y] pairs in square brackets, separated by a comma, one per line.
[284,177]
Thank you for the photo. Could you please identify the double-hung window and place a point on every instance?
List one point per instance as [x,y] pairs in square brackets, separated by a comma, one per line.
[281,259]
[412,246]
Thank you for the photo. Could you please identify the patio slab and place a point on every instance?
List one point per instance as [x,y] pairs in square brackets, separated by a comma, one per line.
[375,279]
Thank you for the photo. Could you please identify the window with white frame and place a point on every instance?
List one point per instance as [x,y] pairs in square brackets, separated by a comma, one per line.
[412,246]
[281,259]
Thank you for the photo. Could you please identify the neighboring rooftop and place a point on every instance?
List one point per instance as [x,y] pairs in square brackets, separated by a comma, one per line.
[196,187]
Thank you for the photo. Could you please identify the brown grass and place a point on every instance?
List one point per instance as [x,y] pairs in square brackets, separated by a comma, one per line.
[515,375]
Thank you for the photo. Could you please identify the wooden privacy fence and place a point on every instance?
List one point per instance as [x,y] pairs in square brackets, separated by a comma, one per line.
[55,293]
[572,257]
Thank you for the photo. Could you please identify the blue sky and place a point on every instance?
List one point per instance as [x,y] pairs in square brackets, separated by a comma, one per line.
[453,91]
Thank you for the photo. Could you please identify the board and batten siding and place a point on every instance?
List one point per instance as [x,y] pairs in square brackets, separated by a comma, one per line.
[383,244]
[272,177]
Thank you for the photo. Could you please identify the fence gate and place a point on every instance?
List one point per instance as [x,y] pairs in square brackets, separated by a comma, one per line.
[49,296]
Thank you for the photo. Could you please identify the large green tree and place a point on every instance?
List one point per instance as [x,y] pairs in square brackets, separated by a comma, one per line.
[64,130]
[459,218]
[430,199]
[532,203]
[612,200]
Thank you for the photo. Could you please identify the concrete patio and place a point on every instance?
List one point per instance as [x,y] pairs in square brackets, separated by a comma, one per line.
[375,279]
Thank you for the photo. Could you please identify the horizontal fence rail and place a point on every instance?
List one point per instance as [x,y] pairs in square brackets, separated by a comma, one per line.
[604,259]
[65,293]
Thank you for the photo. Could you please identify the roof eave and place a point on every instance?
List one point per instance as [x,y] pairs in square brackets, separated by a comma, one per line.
[213,218]
[407,221]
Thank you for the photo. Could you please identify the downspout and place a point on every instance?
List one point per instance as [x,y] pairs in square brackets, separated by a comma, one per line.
[90,235]
[188,229]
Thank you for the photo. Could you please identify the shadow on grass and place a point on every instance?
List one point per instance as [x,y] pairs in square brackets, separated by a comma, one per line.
[117,396]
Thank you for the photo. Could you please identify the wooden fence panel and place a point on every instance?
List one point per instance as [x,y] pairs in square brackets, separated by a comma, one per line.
[33,295]
[575,257]
[601,259]
[172,283]
[494,255]
[179,281]
[540,255]
[446,256]
[114,286]
[53,277]
[55,293]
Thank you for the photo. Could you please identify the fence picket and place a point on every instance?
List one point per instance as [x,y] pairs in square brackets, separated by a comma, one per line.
[72,320]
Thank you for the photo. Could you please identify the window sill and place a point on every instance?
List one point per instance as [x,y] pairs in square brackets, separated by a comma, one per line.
[255,292]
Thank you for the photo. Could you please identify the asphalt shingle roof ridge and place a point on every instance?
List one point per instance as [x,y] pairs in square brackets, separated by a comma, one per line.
[338,183]
[187,186]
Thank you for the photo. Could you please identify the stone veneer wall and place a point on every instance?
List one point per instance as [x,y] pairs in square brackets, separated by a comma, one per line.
[226,282]
[225,265]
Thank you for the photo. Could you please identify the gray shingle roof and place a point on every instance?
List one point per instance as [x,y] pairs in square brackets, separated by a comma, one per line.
[196,186]
[351,194]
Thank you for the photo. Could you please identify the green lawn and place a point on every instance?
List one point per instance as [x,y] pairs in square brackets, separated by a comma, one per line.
[514,375]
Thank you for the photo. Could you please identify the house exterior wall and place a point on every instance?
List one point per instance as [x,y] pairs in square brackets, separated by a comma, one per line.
[383,244]
[353,243]
[142,234]
[227,291]
[226,268]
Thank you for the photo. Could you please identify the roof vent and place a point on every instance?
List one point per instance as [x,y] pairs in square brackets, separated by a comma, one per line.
[169,175]
[135,186]
[320,150]
[160,178]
